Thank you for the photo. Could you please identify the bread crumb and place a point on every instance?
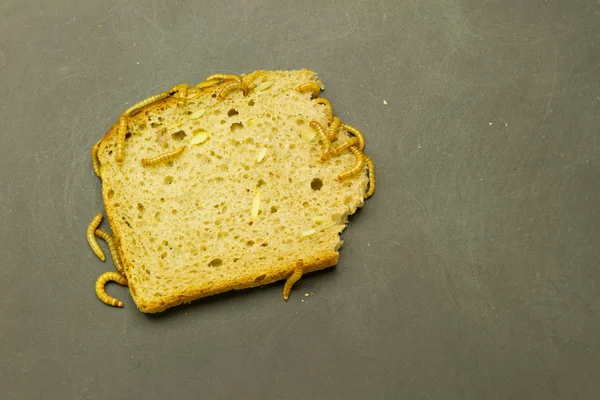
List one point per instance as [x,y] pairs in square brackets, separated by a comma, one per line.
[385,102]
[490,123]
[137,62]
[312,293]
[306,294]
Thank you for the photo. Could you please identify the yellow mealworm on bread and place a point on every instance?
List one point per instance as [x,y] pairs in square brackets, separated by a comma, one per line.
[148,162]
[222,77]
[295,277]
[329,109]
[230,87]
[358,134]
[92,239]
[371,170]
[313,87]
[207,83]
[121,133]
[343,147]
[181,90]
[332,132]
[101,293]
[358,166]
[95,160]
[146,101]
[112,246]
[326,143]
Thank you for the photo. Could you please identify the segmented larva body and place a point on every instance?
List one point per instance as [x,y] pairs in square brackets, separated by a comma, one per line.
[295,277]
[326,143]
[101,293]
[112,246]
[371,170]
[332,133]
[207,83]
[358,166]
[181,91]
[314,87]
[357,133]
[92,239]
[146,101]
[222,77]
[327,104]
[230,87]
[343,147]
[95,160]
[121,133]
[147,162]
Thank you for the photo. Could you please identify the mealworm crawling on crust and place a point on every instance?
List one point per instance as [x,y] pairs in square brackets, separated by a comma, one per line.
[358,166]
[357,133]
[92,239]
[343,147]
[181,90]
[95,160]
[327,104]
[147,162]
[333,129]
[207,83]
[326,143]
[112,246]
[121,133]
[371,170]
[314,87]
[146,101]
[289,283]
[222,77]
[101,293]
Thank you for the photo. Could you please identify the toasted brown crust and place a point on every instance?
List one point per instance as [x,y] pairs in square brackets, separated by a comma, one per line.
[274,273]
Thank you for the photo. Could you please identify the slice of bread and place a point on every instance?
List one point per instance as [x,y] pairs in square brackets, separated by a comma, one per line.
[242,204]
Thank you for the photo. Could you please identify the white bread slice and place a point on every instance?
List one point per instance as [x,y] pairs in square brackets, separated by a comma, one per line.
[186,228]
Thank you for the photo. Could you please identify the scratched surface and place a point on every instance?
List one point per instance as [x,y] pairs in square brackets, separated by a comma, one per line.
[472,273]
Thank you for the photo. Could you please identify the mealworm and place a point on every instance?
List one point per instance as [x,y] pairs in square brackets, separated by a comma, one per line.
[327,104]
[343,147]
[332,133]
[101,293]
[121,133]
[289,283]
[314,87]
[207,83]
[95,160]
[112,247]
[222,77]
[371,170]
[146,101]
[326,143]
[147,162]
[230,87]
[357,133]
[181,90]
[358,166]
[92,239]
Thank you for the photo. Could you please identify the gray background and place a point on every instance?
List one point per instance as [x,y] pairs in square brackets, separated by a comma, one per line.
[471,274]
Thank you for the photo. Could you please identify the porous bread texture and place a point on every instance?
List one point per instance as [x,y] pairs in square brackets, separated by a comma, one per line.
[185,228]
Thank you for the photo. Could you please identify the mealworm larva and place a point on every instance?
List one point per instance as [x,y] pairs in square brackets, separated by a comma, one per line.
[230,87]
[146,101]
[92,239]
[332,133]
[121,133]
[95,160]
[147,162]
[289,283]
[207,83]
[327,104]
[358,166]
[357,133]
[326,143]
[181,90]
[314,87]
[101,293]
[371,169]
[343,147]
[112,247]
[222,77]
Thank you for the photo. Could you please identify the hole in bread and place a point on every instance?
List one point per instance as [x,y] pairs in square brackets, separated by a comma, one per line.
[157,216]
[174,211]
[260,278]
[164,255]
[236,126]
[140,207]
[274,209]
[110,194]
[250,243]
[179,135]
[300,122]
[168,180]
[251,103]
[215,262]
[162,199]
[110,152]
[236,259]
[261,182]
[265,244]
[232,112]
[155,125]
[316,184]
[127,135]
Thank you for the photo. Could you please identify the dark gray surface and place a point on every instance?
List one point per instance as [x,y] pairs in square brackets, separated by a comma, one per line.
[472,273]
